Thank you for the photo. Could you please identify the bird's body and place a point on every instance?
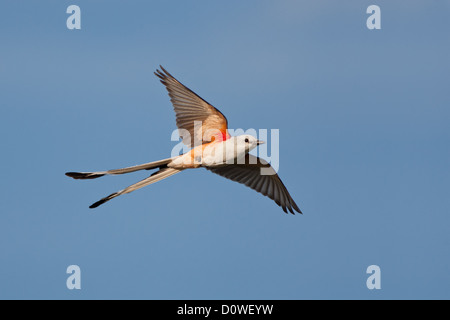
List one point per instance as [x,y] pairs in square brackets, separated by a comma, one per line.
[214,154]
[205,129]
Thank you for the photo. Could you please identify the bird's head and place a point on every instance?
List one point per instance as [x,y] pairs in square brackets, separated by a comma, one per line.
[247,142]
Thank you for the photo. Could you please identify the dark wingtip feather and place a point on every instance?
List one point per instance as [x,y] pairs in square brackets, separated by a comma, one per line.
[166,74]
[84,175]
[164,70]
[162,73]
[296,208]
[291,211]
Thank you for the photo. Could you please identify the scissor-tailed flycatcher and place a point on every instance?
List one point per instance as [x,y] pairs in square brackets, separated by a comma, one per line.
[217,151]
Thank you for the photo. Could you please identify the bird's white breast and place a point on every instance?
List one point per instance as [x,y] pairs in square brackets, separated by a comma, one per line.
[224,152]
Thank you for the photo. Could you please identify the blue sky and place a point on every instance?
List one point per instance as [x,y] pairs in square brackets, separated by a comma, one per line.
[364,149]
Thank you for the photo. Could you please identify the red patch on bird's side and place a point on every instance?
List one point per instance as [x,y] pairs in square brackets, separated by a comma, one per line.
[222,136]
[225,136]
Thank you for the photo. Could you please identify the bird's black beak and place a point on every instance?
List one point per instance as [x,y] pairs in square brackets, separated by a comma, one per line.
[258,142]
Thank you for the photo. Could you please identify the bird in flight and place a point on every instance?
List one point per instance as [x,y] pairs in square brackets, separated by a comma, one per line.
[205,130]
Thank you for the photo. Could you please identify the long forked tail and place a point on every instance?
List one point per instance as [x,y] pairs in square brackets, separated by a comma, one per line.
[155,177]
[146,166]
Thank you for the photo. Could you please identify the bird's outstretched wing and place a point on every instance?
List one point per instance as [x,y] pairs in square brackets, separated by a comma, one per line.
[269,185]
[189,107]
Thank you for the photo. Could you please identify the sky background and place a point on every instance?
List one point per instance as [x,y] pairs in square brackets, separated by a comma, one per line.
[364,149]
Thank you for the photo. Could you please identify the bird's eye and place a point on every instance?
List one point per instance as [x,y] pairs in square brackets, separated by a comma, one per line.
[246,140]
